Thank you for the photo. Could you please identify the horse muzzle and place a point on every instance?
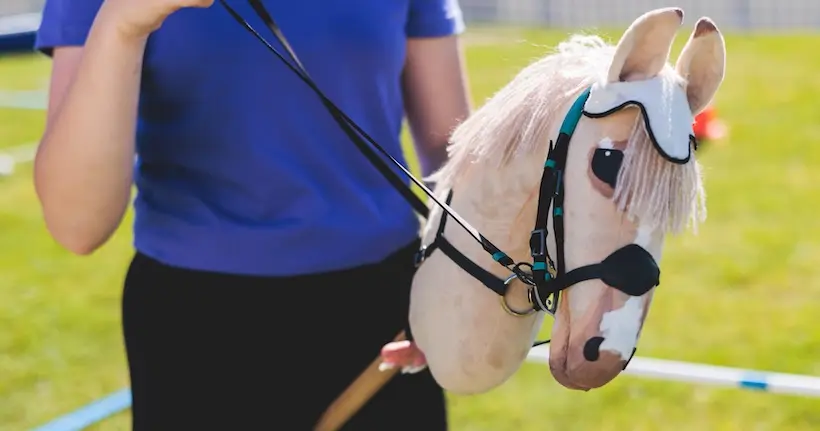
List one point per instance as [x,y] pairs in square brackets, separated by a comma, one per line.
[599,320]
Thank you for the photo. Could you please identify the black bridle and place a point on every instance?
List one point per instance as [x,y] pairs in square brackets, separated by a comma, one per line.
[630,269]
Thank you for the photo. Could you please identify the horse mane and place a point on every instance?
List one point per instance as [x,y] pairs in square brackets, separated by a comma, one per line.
[519,118]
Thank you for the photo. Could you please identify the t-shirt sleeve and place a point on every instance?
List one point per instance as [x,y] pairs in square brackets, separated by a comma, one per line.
[65,23]
[434,18]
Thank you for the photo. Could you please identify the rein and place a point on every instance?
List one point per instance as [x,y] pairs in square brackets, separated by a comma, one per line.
[545,277]
[359,136]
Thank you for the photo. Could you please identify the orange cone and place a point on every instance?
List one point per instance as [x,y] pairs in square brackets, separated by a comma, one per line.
[707,126]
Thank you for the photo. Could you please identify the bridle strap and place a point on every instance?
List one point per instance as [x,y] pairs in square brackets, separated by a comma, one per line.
[488,279]
[546,273]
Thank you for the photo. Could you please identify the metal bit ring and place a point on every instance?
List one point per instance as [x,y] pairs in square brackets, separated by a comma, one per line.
[507,307]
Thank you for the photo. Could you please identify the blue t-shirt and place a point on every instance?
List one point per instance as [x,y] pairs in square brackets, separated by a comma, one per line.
[240,168]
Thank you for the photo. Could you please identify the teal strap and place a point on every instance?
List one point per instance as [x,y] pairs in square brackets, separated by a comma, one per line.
[574,114]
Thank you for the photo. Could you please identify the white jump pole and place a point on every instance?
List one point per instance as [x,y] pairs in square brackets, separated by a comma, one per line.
[661,369]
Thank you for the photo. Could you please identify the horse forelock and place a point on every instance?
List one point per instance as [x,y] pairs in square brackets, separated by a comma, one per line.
[655,191]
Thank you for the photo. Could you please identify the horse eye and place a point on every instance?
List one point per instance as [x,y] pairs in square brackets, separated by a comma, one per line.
[606,162]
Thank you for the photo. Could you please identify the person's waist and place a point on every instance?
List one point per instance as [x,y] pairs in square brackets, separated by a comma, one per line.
[272,250]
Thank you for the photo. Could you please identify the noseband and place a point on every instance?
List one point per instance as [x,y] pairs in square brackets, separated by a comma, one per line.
[630,269]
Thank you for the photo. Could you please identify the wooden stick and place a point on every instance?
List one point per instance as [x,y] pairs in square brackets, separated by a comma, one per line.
[357,394]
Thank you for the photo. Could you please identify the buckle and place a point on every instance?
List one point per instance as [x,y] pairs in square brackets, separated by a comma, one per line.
[551,270]
[538,243]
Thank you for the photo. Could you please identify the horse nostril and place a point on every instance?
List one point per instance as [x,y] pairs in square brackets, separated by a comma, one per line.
[592,348]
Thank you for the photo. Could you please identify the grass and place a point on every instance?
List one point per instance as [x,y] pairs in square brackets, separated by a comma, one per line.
[744,292]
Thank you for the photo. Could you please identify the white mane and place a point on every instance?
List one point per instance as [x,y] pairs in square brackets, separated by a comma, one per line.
[518,120]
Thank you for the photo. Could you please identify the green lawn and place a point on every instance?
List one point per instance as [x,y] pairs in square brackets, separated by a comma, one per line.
[741,293]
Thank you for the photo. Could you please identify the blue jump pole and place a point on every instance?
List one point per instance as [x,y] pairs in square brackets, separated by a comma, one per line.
[90,414]
[17,33]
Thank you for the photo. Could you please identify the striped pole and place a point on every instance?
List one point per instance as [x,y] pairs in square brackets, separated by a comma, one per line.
[661,369]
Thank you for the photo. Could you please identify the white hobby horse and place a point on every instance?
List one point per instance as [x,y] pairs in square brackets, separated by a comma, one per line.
[629,178]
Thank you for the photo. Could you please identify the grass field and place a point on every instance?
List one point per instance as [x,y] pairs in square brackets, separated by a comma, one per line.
[744,292]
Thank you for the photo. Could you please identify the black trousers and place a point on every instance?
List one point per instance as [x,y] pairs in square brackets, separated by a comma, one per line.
[210,351]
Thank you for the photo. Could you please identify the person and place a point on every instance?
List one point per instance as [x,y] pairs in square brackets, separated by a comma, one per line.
[272,260]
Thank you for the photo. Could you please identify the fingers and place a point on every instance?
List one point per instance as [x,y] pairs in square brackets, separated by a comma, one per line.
[195,3]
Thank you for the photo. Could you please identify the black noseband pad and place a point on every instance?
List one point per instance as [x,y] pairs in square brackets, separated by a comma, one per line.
[630,269]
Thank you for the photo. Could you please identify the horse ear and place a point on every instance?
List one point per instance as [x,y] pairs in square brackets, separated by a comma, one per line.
[644,47]
[702,63]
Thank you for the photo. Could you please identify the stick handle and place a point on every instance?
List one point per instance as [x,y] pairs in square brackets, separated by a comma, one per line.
[357,394]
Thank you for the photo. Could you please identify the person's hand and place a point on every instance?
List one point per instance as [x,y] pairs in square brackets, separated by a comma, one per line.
[139,18]
[404,354]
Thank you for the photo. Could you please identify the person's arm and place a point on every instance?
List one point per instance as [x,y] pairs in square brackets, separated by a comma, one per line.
[436,97]
[84,164]
[83,168]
